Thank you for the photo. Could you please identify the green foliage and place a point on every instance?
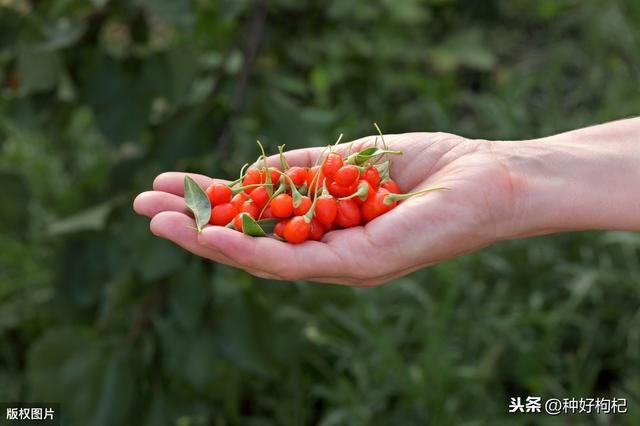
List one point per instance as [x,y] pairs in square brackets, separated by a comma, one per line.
[98,97]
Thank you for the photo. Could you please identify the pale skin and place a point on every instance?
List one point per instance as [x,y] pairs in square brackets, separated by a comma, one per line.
[497,190]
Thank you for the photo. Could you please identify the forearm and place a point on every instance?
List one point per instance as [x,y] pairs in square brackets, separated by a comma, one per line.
[579,180]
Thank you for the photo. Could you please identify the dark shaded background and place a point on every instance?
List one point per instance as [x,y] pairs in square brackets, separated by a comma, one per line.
[122,328]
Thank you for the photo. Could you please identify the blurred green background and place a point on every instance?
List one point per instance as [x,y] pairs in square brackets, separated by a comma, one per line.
[97,97]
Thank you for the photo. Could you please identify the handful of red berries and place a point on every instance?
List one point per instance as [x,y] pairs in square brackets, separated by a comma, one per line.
[301,203]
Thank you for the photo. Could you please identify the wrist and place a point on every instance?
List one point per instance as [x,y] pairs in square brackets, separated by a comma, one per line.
[580,180]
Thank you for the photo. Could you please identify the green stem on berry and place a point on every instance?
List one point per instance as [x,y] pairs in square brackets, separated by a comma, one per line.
[266,169]
[319,157]
[325,192]
[392,198]
[362,192]
[295,195]
[308,217]
[273,195]
[283,161]
[381,136]
[338,141]
[242,188]
[237,181]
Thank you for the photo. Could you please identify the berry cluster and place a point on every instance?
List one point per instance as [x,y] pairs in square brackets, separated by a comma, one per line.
[303,203]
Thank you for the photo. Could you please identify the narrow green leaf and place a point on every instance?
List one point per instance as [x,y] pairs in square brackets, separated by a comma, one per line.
[267,225]
[251,227]
[369,153]
[197,201]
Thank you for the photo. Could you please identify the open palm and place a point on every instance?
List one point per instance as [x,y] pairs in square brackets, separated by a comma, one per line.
[419,232]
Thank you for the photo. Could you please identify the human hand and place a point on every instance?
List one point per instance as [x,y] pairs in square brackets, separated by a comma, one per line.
[475,212]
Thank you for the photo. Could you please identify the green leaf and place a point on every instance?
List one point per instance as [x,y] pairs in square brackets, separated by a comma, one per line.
[267,225]
[197,201]
[251,227]
[369,153]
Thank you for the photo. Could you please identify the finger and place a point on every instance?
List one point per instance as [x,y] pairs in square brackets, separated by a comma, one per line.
[150,203]
[270,256]
[303,157]
[179,228]
[173,182]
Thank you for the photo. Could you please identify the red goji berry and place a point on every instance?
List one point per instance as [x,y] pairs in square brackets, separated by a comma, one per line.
[348,214]
[331,164]
[305,205]
[222,214]
[218,193]
[282,205]
[346,175]
[297,230]
[250,208]
[260,196]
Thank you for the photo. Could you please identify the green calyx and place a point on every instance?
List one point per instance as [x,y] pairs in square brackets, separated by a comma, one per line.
[362,192]
[325,192]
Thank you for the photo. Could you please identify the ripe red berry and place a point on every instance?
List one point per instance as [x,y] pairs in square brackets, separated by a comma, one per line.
[312,179]
[348,213]
[297,230]
[260,196]
[282,205]
[329,227]
[218,193]
[331,164]
[267,213]
[305,205]
[222,214]
[238,199]
[372,176]
[326,210]
[279,228]
[317,231]
[375,206]
[237,221]
[340,191]
[253,177]
[362,183]
[346,175]
[391,186]
[250,208]
[274,175]
[297,174]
